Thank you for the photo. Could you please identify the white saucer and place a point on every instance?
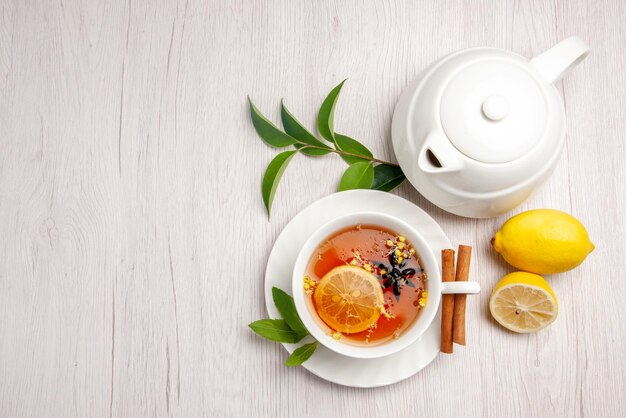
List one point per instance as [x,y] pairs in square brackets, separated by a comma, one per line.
[326,363]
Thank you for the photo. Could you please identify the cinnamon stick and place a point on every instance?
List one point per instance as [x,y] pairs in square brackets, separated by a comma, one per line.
[447,303]
[462,274]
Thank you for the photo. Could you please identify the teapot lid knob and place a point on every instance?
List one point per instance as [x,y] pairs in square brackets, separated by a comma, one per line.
[495,107]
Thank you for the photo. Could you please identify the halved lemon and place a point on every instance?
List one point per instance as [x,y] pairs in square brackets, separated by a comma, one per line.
[349,299]
[523,302]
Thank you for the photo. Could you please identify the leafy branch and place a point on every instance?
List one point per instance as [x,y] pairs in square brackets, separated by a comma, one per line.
[364,171]
[290,329]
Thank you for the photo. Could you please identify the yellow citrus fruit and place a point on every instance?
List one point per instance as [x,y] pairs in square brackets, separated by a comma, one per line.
[523,302]
[543,241]
[349,299]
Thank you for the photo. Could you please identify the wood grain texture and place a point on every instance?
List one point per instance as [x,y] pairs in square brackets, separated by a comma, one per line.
[129,202]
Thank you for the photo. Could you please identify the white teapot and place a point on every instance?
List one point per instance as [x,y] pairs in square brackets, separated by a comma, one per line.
[479,129]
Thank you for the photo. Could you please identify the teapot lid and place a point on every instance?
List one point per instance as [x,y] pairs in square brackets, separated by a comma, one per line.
[494,110]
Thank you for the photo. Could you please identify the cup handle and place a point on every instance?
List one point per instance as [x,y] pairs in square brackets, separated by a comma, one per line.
[462,287]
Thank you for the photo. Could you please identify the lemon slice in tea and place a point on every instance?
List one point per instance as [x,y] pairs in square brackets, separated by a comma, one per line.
[523,302]
[349,299]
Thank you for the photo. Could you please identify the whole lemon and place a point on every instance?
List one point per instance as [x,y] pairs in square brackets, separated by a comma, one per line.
[543,241]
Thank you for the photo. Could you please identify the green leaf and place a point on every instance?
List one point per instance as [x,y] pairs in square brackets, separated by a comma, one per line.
[387,177]
[301,354]
[358,176]
[326,115]
[275,330]
[295,129]
[267,130]
[287,308]
[347,144]
[272,177]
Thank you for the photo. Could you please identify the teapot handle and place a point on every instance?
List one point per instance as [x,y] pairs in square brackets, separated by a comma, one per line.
[438,155]
[560,59]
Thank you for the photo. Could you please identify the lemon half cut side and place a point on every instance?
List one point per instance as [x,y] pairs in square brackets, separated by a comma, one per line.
[523,302]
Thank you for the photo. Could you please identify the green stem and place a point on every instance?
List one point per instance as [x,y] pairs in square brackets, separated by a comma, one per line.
[338,151]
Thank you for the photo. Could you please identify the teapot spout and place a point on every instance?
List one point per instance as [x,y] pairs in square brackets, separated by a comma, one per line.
[438,155]
[560,59]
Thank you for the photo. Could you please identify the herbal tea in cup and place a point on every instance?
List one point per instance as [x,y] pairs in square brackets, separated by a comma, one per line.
[365,283]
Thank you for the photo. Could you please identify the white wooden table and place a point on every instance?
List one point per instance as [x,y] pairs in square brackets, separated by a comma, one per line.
[133,237]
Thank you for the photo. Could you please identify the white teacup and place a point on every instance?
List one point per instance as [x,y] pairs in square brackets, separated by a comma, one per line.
[428,261]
